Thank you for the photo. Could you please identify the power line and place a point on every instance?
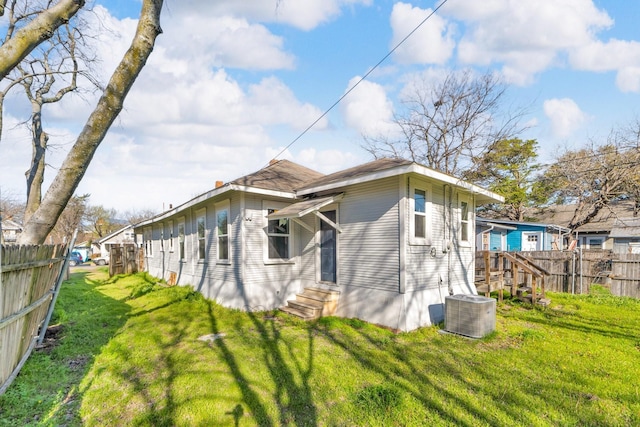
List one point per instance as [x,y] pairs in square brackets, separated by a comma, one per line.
[308,128]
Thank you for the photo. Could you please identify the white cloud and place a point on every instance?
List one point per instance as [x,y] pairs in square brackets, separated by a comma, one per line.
[303,14]
[565,116]
[526,37]
[614,55]
[367,109]
[432,43]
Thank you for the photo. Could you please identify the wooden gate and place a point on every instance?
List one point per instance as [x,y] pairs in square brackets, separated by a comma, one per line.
[123,259]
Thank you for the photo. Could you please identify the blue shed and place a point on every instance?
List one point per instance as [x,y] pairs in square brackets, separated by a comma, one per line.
[504,235]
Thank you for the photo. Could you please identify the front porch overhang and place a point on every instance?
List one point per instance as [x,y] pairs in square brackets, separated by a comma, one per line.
[298,210]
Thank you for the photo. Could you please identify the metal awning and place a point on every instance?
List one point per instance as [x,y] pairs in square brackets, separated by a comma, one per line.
[298,210]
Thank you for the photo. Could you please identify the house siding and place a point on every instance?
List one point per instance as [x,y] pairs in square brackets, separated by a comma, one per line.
[368,247]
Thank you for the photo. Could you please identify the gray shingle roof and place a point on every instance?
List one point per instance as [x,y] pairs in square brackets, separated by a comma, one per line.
[282,175]
[357,171]
[603,222]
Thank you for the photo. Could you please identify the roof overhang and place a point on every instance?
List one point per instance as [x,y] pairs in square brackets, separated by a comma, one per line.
[482,195]
[217,192]
[298,210]
[305,207]
[493,225]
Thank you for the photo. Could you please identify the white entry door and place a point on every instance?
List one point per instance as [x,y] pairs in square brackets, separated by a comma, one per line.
[531,241]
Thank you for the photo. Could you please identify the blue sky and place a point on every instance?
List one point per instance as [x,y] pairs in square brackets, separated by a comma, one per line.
[231,84]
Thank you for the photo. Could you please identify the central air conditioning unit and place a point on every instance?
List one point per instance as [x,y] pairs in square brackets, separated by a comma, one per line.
[470,315]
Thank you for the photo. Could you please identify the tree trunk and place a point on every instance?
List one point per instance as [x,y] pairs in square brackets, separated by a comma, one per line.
[41,28]
[109,106]
[35,174]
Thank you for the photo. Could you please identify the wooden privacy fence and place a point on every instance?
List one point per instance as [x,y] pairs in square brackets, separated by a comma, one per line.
[27,282]
[576,271]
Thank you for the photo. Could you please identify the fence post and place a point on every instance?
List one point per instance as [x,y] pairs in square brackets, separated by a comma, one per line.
[56,291]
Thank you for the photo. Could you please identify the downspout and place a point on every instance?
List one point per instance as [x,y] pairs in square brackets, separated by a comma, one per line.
[449,240]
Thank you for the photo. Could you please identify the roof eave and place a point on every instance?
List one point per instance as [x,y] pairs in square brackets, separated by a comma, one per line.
[482,195]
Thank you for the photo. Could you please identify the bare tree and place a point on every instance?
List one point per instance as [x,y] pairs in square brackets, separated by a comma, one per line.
[135,216]
[447,125]
[101,221]
[47,78]
[70,219]
[42,221]
[22,40]
[593,177]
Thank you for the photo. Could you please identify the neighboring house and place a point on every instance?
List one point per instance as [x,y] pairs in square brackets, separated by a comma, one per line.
[504,235]
[614,228]
[392,236]
[125,235]
[625,234]
[10,231]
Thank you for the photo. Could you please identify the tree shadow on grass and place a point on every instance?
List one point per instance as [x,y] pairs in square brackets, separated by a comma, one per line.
[292,398]
[84,321]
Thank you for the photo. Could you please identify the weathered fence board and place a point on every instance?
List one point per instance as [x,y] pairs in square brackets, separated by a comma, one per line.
[28,276]
[575,272]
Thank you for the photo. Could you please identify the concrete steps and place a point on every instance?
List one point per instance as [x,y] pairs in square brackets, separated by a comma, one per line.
[313,303]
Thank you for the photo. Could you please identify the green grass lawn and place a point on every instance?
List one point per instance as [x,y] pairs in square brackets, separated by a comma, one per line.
[128,353]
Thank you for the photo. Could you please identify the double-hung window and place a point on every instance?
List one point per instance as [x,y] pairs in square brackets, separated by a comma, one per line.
[420,216]
[170,236]
[202,233]
[466,220]
[222,231]
[278,234]
[181,239]
[148,242]
[278,239]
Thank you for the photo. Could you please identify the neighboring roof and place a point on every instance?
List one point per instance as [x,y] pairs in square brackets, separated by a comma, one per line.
[8,224]
[603,222]
[281,175]
[512,225]
[384,168]
[626,227]
[115,233]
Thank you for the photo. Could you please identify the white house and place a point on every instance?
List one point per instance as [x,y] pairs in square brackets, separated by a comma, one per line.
[392,236]
[10,231]
[124,235]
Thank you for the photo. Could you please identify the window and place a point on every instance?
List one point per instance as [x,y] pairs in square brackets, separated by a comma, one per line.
[278,238]
[222,231]
[148,243]
[201,230]
[419,213]
[595,243]
[420,208]
[181,239]
[466,220]
[171,236]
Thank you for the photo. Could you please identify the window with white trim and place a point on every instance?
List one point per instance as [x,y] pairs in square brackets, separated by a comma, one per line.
[171,236]
[181,240]
[278,236]
[420,211]
[222,231]
[278,239]
[466,220]
[201,231]
[148,242]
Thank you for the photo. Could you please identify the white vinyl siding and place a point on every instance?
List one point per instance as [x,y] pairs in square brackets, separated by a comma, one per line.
[368,247]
